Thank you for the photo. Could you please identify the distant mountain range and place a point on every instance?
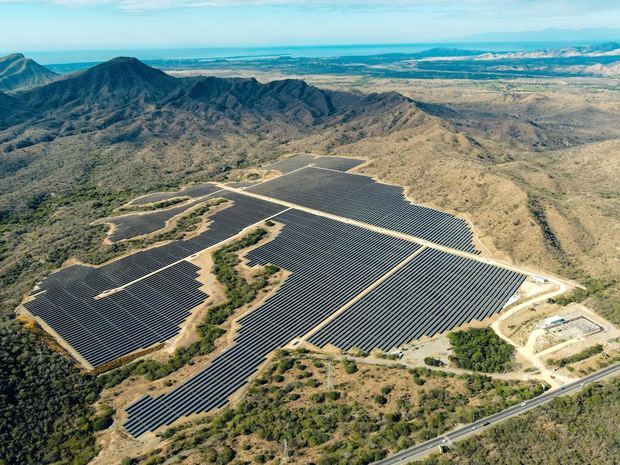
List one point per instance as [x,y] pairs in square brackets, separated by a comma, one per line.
[607,49]
[548,35]
[18,72]
[440,62]
[125,100]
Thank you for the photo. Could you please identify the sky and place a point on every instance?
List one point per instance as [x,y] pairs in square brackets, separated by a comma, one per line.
[41,25]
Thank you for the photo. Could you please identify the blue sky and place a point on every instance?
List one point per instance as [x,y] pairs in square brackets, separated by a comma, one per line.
[40,25]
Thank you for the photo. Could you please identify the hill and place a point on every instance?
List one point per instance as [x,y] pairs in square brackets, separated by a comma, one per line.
[18,72]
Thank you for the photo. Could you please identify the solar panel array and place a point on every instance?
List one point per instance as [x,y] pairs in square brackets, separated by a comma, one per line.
[432,293]
[193,191]
[363,199]
[138,316]
[330,262]
[337,163]
[69,306]
[299,161]
[128,226]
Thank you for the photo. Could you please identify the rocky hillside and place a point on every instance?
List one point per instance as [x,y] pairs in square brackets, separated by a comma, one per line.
[133,102]
[18,72]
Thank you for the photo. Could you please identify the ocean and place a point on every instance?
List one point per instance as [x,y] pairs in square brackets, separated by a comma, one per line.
[96,56]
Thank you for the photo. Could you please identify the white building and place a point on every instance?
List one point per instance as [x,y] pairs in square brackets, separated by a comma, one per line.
[554,321]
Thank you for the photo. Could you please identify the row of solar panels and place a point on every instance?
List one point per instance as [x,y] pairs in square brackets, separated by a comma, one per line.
[192,191]
[362,199]
[146,312]
[432,293]
[128,226]
[299,161]
[330,262]
[138,316]
[225,224]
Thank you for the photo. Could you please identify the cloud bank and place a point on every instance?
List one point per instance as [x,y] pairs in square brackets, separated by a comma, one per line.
[548,8]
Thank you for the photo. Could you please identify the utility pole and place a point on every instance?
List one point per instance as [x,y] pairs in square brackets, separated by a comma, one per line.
[330,376]
[285,447]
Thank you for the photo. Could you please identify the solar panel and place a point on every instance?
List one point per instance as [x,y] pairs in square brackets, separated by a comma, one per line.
[432,293]
[363,199]
[144,313]
[329,263]
[299,161]
[193,191]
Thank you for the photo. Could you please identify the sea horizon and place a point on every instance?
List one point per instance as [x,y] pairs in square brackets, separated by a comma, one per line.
[61,57]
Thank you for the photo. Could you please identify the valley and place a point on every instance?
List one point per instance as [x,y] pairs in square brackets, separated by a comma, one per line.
[351,224]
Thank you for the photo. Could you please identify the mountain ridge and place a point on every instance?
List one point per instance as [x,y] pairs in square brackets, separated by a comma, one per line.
[132,97]
[18,72]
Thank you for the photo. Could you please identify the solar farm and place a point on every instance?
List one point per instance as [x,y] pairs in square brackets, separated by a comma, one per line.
[366,269]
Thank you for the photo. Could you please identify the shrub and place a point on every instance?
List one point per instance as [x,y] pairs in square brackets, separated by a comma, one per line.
[350,366]
[385,390]
[332,395]
[380,399]
[433,362]
[584,354]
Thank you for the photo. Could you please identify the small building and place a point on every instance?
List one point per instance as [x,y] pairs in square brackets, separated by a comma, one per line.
[554,321]
[539,279]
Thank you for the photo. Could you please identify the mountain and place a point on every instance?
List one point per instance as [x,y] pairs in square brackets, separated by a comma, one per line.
[603,48]
[548,35]
[115,82]
[125,100]
[18,72]
[12,110]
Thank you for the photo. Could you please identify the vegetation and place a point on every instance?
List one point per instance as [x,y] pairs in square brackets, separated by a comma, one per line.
[334,426]
[584,354]
[480,349]
[154,206]
[594,288]
[45,414]
[538,212]
[603,293]
[349,366]
[571,430]
[433,362]
[184,225]
[62,214]
[238,292]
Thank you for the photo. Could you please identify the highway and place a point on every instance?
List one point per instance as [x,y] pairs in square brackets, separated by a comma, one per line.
[460,433]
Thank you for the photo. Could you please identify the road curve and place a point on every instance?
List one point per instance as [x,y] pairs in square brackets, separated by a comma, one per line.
[424,448]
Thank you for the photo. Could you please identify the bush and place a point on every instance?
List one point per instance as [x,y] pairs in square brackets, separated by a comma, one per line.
[380,399]
[433,362]
[385,390]
[584,354]
[332,395]
[350,366]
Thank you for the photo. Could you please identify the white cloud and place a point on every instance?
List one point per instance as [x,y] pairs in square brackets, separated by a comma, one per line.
[484,7]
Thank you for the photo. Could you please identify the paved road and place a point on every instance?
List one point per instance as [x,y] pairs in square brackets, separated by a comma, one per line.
[424,448]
